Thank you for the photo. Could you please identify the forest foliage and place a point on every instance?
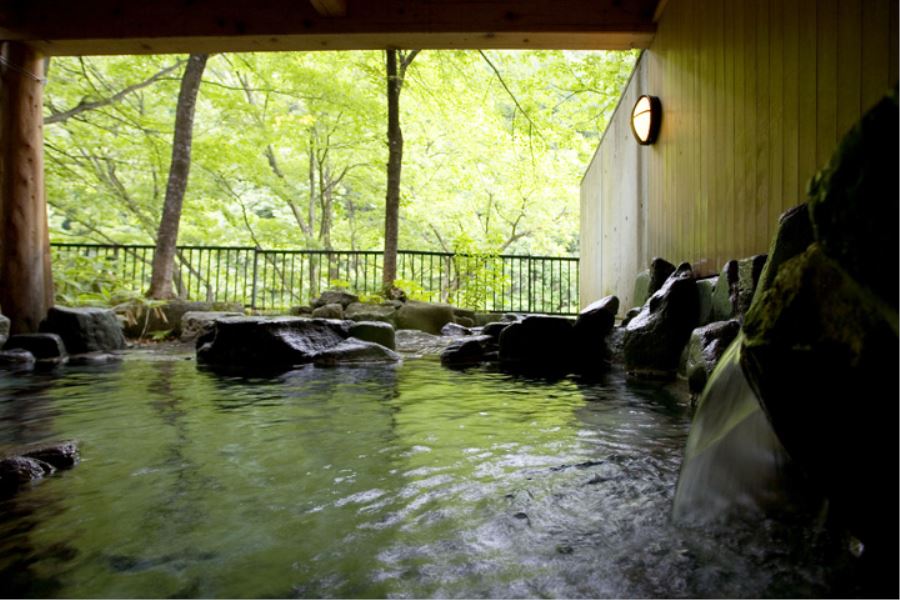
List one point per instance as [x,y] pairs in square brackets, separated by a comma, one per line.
[289,149]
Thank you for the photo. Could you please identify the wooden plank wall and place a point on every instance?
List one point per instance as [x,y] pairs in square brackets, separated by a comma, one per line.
[755,95]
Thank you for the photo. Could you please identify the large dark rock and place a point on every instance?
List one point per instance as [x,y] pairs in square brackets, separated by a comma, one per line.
[333,310]
[494,330]
[591,328]
[596,320]
[821,345]
[263,343]
[660,271]
[341,297]
[467,351]
[853,202]
[60,455]
[85,329]
[822,354]
[733,292]
[374,331]
[654,339]
[706,346]
[194,323]
[794,235]
[43,346]
[424,316]
[359,311]
[539,343]
[352,351]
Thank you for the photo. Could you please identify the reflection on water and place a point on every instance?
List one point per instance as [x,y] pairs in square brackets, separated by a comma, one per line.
[403,481]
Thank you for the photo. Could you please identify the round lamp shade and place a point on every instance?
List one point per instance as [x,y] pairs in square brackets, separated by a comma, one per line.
[645,118]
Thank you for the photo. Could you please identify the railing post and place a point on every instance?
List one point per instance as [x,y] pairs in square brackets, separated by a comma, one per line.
[253,283]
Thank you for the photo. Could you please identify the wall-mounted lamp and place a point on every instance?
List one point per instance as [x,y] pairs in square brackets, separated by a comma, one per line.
[645,119]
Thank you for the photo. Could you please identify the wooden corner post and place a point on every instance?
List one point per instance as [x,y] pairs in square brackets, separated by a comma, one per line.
[26,282]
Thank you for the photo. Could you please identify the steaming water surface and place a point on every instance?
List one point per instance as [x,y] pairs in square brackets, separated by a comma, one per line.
[408,481]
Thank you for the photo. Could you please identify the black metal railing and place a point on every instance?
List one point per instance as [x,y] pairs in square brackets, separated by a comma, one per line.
[272,280]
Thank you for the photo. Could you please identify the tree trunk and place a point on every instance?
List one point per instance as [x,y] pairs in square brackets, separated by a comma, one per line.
[167,237]
[26,282]
[395,161]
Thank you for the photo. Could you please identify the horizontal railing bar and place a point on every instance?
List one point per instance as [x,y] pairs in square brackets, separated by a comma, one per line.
[319,251]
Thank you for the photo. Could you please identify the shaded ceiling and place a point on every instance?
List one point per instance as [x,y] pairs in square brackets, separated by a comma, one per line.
[86,27]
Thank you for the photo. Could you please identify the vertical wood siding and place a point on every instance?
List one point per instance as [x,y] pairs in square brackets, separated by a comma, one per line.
[755,96]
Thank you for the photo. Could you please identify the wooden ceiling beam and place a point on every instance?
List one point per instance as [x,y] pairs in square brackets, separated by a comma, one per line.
[330,8]
[63,27]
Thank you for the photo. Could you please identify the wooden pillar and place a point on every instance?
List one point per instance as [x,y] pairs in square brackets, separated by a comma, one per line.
[26,282]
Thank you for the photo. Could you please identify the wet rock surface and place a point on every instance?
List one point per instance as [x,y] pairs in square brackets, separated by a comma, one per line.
[538,343]
[467,351]
[494,329]
[85,329]
[706,346]
[455,330]
[352,351]
[61,455]
[17,470]
[654,339]
[16,358]
[734,289]
[374,331]
[43,346]
[31,464]
[418,343]
[268,343]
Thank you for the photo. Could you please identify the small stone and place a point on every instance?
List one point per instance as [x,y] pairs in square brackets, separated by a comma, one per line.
[335,297]
[455,330]
[16,358]
[61,455]
[329,311]
[16,470]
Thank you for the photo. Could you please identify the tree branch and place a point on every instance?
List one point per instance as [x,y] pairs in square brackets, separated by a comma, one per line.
[60,117]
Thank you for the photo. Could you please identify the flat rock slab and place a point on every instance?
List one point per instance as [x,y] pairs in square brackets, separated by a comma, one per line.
[265,343]
[354,351]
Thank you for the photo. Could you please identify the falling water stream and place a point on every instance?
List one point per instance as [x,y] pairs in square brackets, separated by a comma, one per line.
[406,481]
